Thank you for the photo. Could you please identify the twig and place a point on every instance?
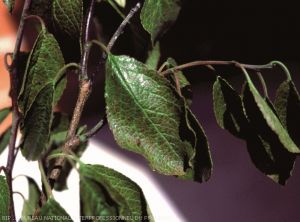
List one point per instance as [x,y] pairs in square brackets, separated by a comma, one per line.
[85,89]
[13,69]
[122,26]
[86,38]
[211,63]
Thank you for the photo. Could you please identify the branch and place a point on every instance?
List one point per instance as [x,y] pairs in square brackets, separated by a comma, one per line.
[14,81]
[122,26]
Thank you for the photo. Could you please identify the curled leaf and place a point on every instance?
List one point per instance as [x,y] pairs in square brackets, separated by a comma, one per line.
[267,151]
[228,108]
[264,119]
[287,105]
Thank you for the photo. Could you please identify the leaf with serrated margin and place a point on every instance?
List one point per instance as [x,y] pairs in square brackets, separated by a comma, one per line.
[158,15]
[4,197]
[266,150]
[43,65]
[93,200]
[287,105]
[144,114]
[10,4]
[153,57]
[228,108]
[4,139]
[68,15]
[268,125]
[121,190]
[32,203]
[55,210]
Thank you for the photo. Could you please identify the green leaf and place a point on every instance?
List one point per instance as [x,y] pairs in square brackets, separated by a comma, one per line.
[264,119]
[32,203]
[153,57]
[287,104]
[93,200]
[144,114]
[10,4]
[126,195]
[4,197]
[52,209]
[228,108]
[43,65]
[4,139]
[68,15]
[158,15]
[4,113]
[37,124]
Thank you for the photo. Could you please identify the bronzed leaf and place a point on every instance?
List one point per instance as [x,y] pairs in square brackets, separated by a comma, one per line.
[53,209]
[4,197]
[123,193]
[228,108]
[144,114]
[287,104]
[158,15]
[32,203]
[68,15]
[264,119]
